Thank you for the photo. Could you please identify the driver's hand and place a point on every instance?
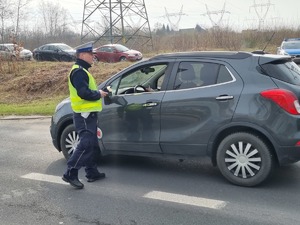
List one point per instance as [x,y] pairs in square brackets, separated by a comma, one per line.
[149,89]
[103,93]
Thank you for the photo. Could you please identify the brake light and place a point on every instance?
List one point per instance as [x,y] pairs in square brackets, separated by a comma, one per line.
[287,100]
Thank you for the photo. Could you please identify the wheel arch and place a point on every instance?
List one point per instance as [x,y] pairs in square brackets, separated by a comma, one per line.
[221,134]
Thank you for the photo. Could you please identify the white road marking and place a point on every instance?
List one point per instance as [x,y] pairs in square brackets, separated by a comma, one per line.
[44,177]
[185,199]
[157,195]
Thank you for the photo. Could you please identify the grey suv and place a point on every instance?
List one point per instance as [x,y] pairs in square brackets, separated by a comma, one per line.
[238,108]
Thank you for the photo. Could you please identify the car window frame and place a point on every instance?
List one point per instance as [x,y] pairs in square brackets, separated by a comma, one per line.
[176,67]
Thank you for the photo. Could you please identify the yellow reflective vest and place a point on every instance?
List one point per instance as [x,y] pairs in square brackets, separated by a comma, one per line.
[78,104]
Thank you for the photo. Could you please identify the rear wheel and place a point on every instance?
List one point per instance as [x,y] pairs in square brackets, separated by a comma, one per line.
[244,159]
[68,141]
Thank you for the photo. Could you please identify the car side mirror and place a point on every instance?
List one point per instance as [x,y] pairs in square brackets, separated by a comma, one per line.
[119,100]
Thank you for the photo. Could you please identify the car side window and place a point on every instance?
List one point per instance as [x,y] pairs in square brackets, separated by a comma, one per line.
[199,74]
[224,75]
[186,76]
[143,79]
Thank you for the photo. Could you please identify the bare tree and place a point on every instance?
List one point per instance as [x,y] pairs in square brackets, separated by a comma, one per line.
[20,6]
[54,17]
[6,13]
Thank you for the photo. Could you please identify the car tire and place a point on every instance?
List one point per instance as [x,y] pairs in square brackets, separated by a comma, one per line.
[69,139]
[123,58]
[95,59]
[244,159]
[38,57]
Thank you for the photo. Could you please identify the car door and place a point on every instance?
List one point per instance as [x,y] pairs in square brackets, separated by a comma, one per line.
[130,121]
[45,53]
[202,98]
[111,55]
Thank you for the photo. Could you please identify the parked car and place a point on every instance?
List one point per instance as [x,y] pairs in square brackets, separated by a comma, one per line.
[238,108]
[290,46]
[116,53]
[25,54]
[54,52]
[16,52]
[6,53]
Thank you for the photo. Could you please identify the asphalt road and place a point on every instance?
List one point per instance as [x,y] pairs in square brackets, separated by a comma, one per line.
[137,191]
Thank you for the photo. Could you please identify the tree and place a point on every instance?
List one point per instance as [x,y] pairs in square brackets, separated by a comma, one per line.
[54,18]
[6,12]
[20,5]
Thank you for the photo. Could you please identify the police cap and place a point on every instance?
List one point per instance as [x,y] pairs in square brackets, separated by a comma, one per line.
[86,47]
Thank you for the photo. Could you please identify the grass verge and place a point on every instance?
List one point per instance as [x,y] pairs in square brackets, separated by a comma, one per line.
[45,107]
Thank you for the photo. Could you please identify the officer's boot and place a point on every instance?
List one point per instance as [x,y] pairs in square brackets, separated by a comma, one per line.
[71,176]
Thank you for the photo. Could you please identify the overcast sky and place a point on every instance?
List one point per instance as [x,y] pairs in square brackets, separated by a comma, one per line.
[238,14]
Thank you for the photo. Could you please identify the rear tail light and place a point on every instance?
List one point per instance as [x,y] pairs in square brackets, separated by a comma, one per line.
[287,100]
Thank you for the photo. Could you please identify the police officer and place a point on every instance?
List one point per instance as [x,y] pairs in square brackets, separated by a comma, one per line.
[86,102]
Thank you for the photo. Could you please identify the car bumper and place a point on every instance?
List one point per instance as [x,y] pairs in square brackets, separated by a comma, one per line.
[135,58]
[288,155]
[54,131]
[296,59]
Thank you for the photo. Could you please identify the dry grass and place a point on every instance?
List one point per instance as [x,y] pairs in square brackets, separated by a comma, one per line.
[30,80]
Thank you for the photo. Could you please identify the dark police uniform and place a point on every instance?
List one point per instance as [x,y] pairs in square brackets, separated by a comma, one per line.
[86,101]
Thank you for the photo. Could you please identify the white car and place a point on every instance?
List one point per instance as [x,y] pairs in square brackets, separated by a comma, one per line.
[25,54]
[19,52]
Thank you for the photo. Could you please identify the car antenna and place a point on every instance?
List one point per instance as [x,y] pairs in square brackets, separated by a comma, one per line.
[261,52]
[269,41]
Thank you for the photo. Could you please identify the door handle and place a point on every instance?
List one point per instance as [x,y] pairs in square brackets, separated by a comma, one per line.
[150,104]
[224,97]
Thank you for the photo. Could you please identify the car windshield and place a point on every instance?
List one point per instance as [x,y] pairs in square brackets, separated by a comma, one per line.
[291,45]
[122,48]
[65,47]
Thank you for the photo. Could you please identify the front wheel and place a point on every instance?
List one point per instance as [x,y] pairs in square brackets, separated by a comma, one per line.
[68,141]
[95,59]
[123,58]
[244,159]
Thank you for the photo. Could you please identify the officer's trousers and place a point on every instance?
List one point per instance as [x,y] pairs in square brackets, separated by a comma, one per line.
[85,152]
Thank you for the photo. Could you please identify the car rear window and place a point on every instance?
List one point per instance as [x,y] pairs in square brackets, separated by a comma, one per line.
[283,70]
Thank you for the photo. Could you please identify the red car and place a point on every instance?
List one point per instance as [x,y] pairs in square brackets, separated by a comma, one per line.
[116,53]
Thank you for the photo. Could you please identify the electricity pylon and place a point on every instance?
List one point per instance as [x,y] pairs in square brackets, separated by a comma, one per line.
[262,13]
[219,12]
[111,21]
[174,26]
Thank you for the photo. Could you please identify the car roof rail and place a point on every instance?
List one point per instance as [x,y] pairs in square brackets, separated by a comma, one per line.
[206,54]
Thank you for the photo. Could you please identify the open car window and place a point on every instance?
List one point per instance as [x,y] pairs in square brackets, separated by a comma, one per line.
[150,76]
